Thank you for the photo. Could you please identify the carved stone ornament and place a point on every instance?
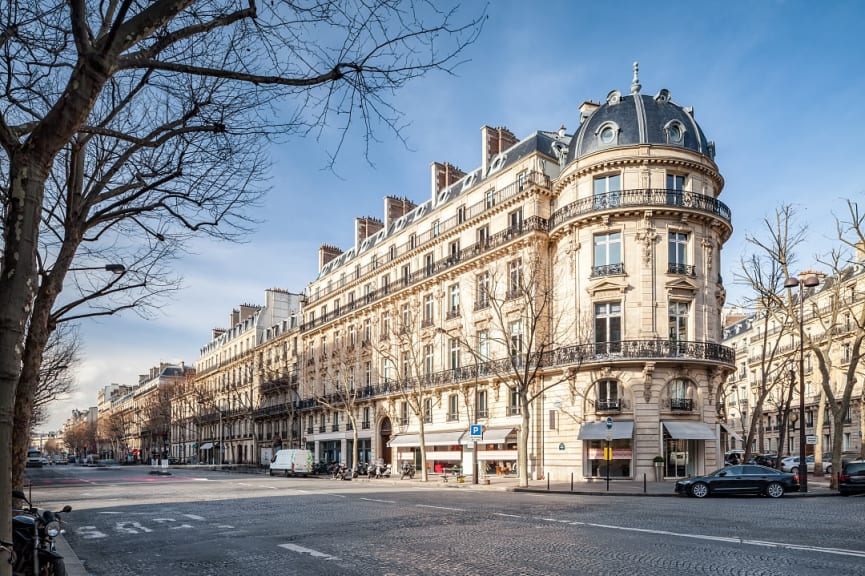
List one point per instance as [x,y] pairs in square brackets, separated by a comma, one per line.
[648,369]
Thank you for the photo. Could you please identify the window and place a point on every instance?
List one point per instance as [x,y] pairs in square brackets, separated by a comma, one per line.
[515,220]
[675,133]
[406,365]
[482,290]
[678,321]
[367,330]
[435,229]
[385,325]
[385,284]
[514,403]
[412,241]
[453,408]
[367,368]
[678,254]
[845,348]
[335,424]
[679,395]
[365,424]
[403,413]
[481,404]
[454,251]
[461,214]
[515,278]
[406,319]
[387,370]
[608,254]
[608,327]
[552,419]
[322,423]
[406,275]
[351,300]
[428,360]
[607,395]
[607,191]
[429,264]
[428,310]
[489,198]
[516,332]
[483,236]
[483,345]
[522,180]
[454,301]
[427,410]
[391,253]
[454,356]
[675,185]
[336,307]
[368,292]
[352,336]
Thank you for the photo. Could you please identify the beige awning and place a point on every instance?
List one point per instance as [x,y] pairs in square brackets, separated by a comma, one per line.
[430,439]
[598,430]
[681,430]
[490,436]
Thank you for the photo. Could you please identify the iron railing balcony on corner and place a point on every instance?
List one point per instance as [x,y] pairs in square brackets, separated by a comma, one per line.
[608,406]
[608,270]
[681,404]
[682,269]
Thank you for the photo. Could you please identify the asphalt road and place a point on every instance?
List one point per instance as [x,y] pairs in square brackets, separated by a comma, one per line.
[213,523]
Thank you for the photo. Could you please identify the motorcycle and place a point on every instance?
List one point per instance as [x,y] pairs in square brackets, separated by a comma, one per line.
[340,472]
[359,470]
[382,471]
[407,470]
[33,537]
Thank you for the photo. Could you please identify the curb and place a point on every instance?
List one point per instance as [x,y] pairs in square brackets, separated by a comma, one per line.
[74,565]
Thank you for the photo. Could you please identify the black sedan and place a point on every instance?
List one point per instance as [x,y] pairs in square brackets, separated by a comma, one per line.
[744,479]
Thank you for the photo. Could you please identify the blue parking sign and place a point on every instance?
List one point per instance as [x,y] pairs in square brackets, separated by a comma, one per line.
[476,430]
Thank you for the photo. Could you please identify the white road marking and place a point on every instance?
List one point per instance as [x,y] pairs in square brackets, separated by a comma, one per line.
[382,501]
[440,507]
[181,526]
[507,515]
[310,551]
[131,527]
[225,526]
[335,495]
[726,539]
[90,533]
[194,517]
[244,484]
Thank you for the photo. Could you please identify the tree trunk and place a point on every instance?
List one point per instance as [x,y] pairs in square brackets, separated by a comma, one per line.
[424,474]
[18,282]
[523,452]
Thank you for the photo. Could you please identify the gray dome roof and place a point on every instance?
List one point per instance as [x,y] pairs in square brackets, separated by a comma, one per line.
[639,119]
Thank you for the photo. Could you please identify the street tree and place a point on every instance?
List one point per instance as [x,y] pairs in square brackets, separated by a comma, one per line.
[56,376]
[72,71]
[763,272]
[515,345]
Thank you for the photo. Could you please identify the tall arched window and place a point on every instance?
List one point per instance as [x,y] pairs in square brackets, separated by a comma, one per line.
[607,396]
[681,395]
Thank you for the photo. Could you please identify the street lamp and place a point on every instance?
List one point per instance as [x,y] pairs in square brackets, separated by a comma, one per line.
[113,268]
[809,280]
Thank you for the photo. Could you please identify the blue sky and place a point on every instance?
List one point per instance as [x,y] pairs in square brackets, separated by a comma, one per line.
[778,85]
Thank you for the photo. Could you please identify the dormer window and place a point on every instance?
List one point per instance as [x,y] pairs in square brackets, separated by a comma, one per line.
[675,132]
[608,134]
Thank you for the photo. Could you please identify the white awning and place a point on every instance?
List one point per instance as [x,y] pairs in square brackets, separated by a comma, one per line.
[206,446]
[598,430]
[431,439]
[491,436]
[730,431]
[689,430]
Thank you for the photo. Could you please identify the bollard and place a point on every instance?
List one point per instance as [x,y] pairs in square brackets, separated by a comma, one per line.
[572,481]
[548,482]
[644,482]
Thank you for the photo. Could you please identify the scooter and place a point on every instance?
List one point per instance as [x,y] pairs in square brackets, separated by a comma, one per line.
[382,471]
[33,537]
[407,470]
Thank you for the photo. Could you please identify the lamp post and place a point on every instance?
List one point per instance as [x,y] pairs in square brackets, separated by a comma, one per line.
[810,280]
[113,268]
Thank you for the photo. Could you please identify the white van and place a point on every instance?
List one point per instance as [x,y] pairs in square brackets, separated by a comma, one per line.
[293,462]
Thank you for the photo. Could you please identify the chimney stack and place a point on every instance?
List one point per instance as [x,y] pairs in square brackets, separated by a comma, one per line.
[326,253]
[494,141]
[443,175]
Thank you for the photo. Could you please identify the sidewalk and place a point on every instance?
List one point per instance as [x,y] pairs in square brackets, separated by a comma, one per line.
[817,486]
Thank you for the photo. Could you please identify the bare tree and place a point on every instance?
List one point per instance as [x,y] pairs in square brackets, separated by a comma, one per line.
[764,273]
[76,70]
[62,355]
[518,342]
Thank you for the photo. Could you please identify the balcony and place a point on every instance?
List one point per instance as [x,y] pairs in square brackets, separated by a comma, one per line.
[453,417]
[322,429]
[681,404]
[681,269]
[607,270]
[364,425]
[514,411]
[482,304]
[334,428]
[453,313]
[645,198]
[608,406]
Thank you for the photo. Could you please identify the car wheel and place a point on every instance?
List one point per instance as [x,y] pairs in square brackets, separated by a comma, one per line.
[699,490]
[828,470]
[794,470]
[774,490]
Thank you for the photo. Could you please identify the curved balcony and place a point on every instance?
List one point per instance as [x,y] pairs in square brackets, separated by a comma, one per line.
[641,198]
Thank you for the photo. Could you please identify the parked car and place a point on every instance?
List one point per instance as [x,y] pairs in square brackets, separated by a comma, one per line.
[729,457]
[770,460]
[742,479]
[851,480]
[791,464]
[845,457]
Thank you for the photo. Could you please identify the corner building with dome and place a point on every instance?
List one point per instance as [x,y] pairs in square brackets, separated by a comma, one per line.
[584,267]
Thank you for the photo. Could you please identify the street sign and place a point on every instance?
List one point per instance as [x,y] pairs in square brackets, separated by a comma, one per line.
[811,440]
[609,422]
[609,435]
[476,432]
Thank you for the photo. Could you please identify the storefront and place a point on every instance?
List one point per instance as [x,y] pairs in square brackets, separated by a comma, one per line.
[594,437]
[684,447]
[443,449]
[497,451]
